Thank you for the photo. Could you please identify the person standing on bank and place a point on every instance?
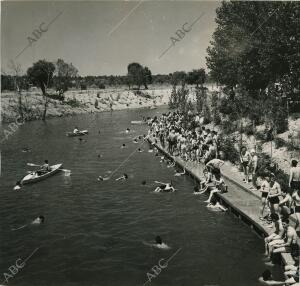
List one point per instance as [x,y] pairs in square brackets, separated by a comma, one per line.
[253,167]
[245,158]
[274,193]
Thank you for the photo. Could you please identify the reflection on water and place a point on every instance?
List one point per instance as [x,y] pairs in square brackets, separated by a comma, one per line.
[94,231]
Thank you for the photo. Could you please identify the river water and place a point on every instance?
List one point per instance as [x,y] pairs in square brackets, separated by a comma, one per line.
[94,231]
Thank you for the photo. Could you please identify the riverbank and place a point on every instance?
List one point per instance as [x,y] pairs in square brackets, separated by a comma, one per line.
[81,101]
[240,200]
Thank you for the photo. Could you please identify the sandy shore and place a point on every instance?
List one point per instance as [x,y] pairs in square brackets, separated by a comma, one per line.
[81,101]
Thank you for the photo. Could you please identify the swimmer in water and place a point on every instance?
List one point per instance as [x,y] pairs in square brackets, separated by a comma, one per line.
[164,187]
[215,205]
[140,150]
[17,186]
[197,190]
[144,182]
[158,243]
[123,146]
[135,141]
[100,178]
[267,279]
[162,159]
[26,149]
[150,150]
[171,164]
[127,130]
[124,177]
[39,220]
[178,174]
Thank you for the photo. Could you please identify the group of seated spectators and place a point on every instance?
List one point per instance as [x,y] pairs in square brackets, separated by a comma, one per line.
[192,141]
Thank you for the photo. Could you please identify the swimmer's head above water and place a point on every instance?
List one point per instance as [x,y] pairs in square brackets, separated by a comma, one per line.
[158,240]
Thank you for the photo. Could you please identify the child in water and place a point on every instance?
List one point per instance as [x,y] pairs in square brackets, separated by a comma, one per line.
[215,205]
[158,243]
[17,186]
[124,177]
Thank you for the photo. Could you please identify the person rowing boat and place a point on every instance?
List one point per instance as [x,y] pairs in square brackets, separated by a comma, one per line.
[45,168]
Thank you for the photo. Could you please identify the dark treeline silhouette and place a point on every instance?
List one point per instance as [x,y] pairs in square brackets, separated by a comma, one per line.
[63,82]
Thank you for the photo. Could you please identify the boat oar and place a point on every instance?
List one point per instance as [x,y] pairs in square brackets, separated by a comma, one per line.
[67,172]
[33,165]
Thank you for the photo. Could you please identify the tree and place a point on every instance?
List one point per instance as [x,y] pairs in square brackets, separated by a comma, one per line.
[196,77]
[41,74]
[147,77]
[64,73]
[135,74]
[178,77]
[256,44]
[16,71]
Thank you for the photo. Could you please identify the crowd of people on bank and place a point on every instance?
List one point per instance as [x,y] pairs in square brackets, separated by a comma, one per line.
[189,139]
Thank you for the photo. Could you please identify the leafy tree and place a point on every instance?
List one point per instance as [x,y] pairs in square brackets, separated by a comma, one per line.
[135,74]
[173,101]
[196,77]
[147,77]
[41,74]
[178,77]
[64,73]
[256,44]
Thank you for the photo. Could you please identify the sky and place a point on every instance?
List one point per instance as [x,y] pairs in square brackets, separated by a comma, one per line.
[103,37]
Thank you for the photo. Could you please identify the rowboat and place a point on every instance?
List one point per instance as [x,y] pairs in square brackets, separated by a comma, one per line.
[79,133]
[33,177]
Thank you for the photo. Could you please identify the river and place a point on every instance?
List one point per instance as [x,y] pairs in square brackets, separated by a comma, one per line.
[94,232]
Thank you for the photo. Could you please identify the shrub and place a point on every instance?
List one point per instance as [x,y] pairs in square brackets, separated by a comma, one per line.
[261,135]
[248,129]
[266,166]
[279,142]
[230,152]
[229,126]
[56,96]
[73,103]
[217,118]
[101,86]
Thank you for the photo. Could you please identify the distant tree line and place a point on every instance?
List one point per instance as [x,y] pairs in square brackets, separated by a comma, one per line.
[65,76]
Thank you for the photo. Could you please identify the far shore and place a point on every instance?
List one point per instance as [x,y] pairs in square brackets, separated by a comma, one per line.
[83,101]
[80,102]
